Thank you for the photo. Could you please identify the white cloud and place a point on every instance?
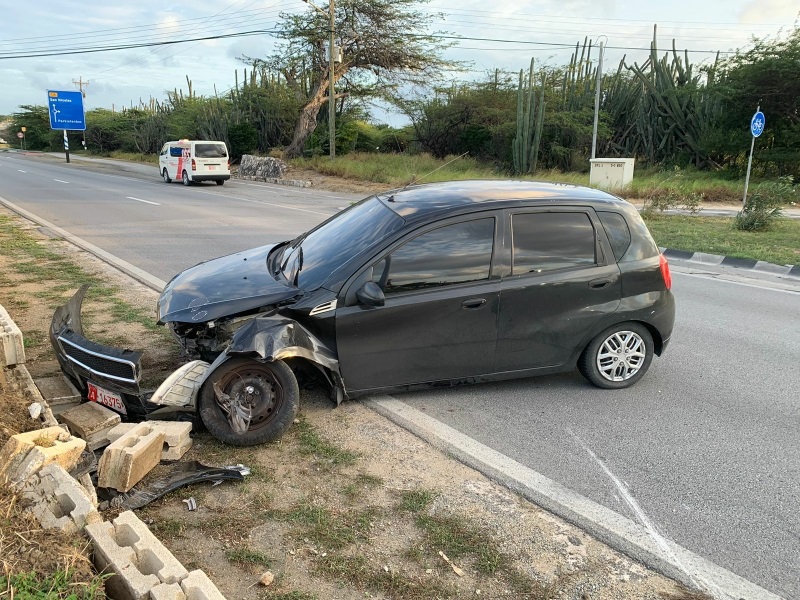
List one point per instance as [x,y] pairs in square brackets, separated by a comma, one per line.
[769,11]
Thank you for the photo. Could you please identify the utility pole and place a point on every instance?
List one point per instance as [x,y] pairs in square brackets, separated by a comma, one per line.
[598,85]
[80,83]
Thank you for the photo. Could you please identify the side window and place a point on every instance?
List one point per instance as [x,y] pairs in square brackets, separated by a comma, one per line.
[164,149]
[618,232]
[547,241]
[452,254]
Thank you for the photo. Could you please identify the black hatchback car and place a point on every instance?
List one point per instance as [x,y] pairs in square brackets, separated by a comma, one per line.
[445,283]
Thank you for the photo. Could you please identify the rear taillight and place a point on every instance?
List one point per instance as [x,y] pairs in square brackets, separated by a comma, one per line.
[194,165]
[665,274]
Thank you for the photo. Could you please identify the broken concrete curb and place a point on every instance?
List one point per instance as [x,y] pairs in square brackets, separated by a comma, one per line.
[60,501]
[12,350]
[176,436]
[25,453]
[130,457]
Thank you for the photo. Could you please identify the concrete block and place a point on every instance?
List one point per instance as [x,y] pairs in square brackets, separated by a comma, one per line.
[197,586]
[58,392]
[126,582]
[59,501]
[176,436]
[130,457]
[86,483]
[12,351]
[167,591]
[26,453]
[92,422]
[140,563]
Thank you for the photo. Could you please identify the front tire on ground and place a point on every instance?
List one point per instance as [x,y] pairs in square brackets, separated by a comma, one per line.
[167,178]
[185,178]
[269,388]
[618,357]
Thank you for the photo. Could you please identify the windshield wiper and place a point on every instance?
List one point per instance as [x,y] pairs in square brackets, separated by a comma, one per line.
[299,264]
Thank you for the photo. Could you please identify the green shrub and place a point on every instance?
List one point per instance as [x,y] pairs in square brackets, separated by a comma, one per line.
[764,205]
[662,199]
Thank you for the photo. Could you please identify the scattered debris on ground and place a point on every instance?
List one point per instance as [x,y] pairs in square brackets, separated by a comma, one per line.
[347,505]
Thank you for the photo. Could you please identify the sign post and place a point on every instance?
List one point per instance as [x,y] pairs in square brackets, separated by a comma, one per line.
[66,113]
[757,124]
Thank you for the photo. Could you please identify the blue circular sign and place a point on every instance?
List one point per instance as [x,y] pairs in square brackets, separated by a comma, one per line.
[757,124]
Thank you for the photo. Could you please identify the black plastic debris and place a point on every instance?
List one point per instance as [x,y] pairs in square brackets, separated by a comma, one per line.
[180,474]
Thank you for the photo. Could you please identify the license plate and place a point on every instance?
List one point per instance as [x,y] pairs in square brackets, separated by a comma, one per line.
[211,167]
[106,398]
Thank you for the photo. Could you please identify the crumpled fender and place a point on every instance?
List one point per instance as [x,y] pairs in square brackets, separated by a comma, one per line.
[279,338]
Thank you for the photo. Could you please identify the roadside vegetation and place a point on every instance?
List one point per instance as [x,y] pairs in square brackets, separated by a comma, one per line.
[665,111]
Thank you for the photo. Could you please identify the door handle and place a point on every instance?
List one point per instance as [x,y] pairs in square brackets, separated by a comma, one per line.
[473,303]
[599,283]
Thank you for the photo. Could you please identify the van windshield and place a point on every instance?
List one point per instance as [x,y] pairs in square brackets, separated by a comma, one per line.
[210,151]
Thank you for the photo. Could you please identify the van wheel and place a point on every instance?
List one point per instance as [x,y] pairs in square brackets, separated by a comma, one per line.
[264,393]
[166,177]
[618,357]
[220,182]
[185,178]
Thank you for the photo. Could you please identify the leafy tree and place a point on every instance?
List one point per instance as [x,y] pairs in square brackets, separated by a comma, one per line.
[384,45]
[477,117]
[767,74]
[38,135]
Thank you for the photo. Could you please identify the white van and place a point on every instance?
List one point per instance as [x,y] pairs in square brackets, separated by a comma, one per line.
[194,160]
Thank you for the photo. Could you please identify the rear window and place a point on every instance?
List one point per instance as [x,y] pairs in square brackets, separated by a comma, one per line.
[618,233]
[548,241]
[642,244]
[210,150]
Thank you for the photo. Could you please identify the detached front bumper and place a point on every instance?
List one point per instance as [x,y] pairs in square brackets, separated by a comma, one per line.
[111,376]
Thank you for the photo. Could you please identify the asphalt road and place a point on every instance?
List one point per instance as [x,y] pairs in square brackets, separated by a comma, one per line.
[706,443]
[161,228]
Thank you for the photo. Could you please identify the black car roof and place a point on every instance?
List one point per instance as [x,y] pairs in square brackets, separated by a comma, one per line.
[422,200]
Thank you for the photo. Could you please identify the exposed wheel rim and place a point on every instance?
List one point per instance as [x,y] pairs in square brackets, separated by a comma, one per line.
[185,178]
[256,387]
[166,177]
[621,356]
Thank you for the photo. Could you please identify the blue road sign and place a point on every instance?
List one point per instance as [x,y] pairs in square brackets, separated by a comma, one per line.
[66,110]
[757,124]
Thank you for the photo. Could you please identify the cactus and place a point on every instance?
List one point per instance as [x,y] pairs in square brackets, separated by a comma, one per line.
[525,146]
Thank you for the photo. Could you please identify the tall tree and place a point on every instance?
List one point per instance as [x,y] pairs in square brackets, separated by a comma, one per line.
[385,44]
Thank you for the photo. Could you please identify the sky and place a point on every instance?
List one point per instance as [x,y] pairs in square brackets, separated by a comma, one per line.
[505,34]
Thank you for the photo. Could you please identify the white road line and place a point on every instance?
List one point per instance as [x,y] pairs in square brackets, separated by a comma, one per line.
[611,527]
[60,181]
[21,171]
[313,212]
[651,528]
[713,277]
[286,188]
[145,201]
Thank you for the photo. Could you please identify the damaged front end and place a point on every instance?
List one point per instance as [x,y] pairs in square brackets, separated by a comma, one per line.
[244,397]
[112,376]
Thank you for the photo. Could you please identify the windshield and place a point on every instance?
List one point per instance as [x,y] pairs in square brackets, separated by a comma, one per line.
[314,256]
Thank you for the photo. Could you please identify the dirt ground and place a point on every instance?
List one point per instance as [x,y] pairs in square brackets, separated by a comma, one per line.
[347,505]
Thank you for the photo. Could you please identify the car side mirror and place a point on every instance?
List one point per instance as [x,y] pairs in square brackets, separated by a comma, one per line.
[371,294]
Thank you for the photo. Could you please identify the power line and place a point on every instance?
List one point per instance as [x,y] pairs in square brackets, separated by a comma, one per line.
[540,16]
[142,45]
